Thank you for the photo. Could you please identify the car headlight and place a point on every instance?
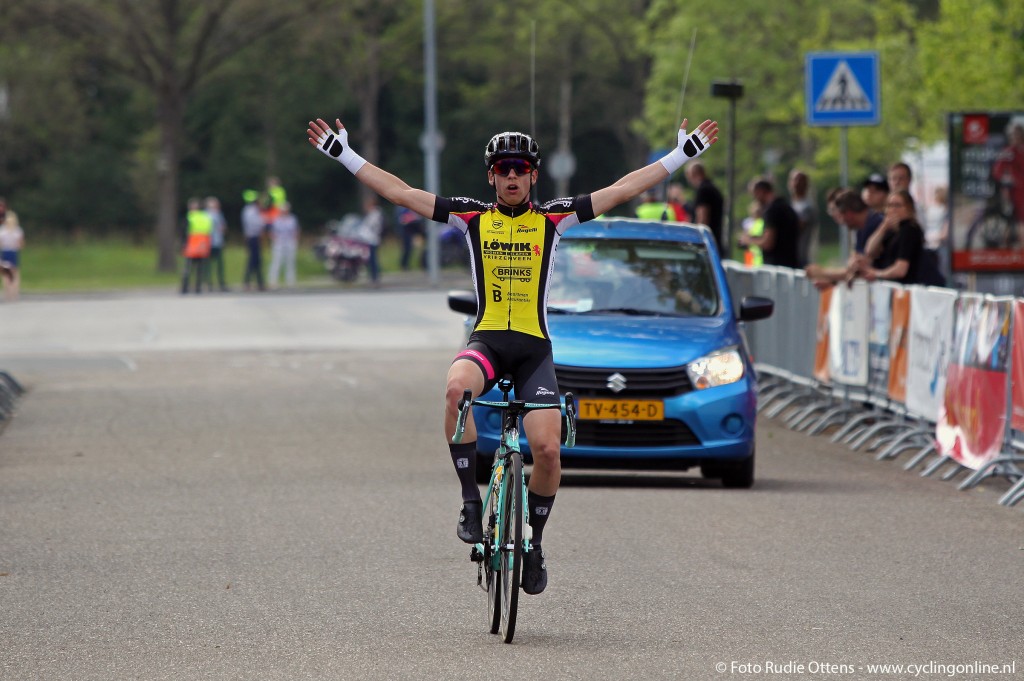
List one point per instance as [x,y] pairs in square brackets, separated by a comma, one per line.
[718,368]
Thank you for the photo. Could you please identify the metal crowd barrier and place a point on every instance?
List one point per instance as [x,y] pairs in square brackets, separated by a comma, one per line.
[870,362]
[10,390]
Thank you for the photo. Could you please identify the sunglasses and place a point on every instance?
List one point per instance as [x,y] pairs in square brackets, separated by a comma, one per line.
[506,165]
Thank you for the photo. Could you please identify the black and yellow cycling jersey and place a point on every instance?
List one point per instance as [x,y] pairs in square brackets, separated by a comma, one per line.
[511,254]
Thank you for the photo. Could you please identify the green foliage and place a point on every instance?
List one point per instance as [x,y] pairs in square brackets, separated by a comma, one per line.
[79,138]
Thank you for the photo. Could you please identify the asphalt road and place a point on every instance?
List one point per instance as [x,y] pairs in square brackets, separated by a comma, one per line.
[255,487]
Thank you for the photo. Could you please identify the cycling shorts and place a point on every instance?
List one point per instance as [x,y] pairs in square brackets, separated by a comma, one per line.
[527,358]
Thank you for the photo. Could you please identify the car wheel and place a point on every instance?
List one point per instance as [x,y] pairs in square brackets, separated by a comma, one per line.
[484,463]
[738,474]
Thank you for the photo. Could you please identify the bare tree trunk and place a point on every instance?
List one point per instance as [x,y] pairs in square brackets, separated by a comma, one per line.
[369,110]
[170,117]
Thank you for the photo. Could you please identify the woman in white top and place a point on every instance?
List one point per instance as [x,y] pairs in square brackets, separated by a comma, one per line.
[12,240]
[284,237]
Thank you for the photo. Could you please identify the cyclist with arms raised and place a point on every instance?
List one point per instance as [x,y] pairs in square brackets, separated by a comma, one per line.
[512,246]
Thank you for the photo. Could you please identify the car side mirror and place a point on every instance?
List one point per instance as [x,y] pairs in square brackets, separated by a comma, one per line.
[753,308]
[463,302]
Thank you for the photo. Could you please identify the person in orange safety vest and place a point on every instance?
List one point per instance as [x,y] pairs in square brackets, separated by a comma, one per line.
[198,237]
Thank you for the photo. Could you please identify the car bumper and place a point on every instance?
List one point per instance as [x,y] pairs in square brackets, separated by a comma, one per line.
[716,424]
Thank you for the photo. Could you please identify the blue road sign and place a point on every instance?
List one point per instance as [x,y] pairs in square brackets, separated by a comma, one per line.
[842,88]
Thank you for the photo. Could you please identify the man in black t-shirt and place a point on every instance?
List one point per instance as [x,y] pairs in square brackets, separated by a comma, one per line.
[780,239]
[707,203]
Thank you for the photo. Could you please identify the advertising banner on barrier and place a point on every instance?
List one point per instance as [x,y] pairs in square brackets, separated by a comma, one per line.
[821,337]
[928,349]
[899,327]
[1017,367]
[848,334]
[878,337]
[972,418]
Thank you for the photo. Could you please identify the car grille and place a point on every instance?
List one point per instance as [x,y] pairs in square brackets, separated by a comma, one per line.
[589,382]
[638,434]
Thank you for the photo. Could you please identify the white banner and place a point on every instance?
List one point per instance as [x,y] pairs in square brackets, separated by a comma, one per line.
[878,336]
[849,318]
[928,349]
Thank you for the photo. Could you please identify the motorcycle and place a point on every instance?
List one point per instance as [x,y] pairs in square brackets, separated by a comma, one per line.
[342,252]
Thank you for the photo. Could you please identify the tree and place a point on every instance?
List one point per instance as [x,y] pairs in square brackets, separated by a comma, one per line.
[168,47]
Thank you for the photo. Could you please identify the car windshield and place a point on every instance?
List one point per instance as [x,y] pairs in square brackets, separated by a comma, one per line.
[631,276]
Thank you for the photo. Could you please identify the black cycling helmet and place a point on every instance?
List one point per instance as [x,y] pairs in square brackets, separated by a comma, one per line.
[511,145]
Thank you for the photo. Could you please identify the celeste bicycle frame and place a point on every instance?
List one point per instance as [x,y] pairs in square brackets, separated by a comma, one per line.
[507,535]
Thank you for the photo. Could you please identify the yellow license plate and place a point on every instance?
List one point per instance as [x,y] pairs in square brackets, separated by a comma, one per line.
[621,410]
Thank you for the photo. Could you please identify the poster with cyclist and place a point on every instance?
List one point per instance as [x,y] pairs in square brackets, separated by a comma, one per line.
[986,218]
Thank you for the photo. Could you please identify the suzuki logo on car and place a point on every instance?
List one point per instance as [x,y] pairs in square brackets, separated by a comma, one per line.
[616,382]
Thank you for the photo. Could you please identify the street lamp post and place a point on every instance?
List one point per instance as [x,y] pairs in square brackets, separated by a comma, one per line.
[731,90]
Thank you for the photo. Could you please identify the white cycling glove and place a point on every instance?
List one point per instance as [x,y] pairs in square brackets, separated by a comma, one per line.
[690,146]
[335,145]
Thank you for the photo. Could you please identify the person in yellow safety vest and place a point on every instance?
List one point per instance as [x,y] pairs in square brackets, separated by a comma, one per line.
[198,236]
[276,197]
[649,209]
[754,226]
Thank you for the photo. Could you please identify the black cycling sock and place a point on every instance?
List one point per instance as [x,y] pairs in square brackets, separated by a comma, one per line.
[540,510]
[464,458]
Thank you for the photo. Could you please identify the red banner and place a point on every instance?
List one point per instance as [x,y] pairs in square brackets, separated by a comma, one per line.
[972,420]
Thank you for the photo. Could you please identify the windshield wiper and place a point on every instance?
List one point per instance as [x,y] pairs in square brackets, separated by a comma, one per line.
[631,311]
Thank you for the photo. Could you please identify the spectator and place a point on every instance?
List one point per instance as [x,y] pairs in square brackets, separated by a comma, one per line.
[12,240]
[896,257]
[781,227]
[875,192]
[198,230]
[849,210]
[370,232]
[677,203]
[412,228]
[252,229]
[753,225]
[807,214]
[276,197]
[217,236]
[651,208]
[284,237]
[708,204]
[900,177]
[936,229]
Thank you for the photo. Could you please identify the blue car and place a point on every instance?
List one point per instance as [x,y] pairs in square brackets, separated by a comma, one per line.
[646,336]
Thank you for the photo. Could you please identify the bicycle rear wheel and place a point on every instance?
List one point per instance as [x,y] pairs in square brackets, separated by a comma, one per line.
[511,545]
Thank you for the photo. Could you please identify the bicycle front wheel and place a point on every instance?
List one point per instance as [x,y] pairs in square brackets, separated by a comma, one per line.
[510,548]
[492,571]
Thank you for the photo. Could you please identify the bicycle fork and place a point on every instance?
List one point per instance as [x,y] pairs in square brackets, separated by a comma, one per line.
[494,546]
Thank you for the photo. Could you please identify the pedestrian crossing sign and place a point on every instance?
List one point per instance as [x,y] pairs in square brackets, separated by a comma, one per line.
[842,88]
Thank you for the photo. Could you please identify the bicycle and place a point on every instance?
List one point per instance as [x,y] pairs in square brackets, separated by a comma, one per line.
[507,535]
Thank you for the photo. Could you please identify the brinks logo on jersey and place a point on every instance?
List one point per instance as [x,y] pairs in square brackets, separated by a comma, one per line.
[515,273]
